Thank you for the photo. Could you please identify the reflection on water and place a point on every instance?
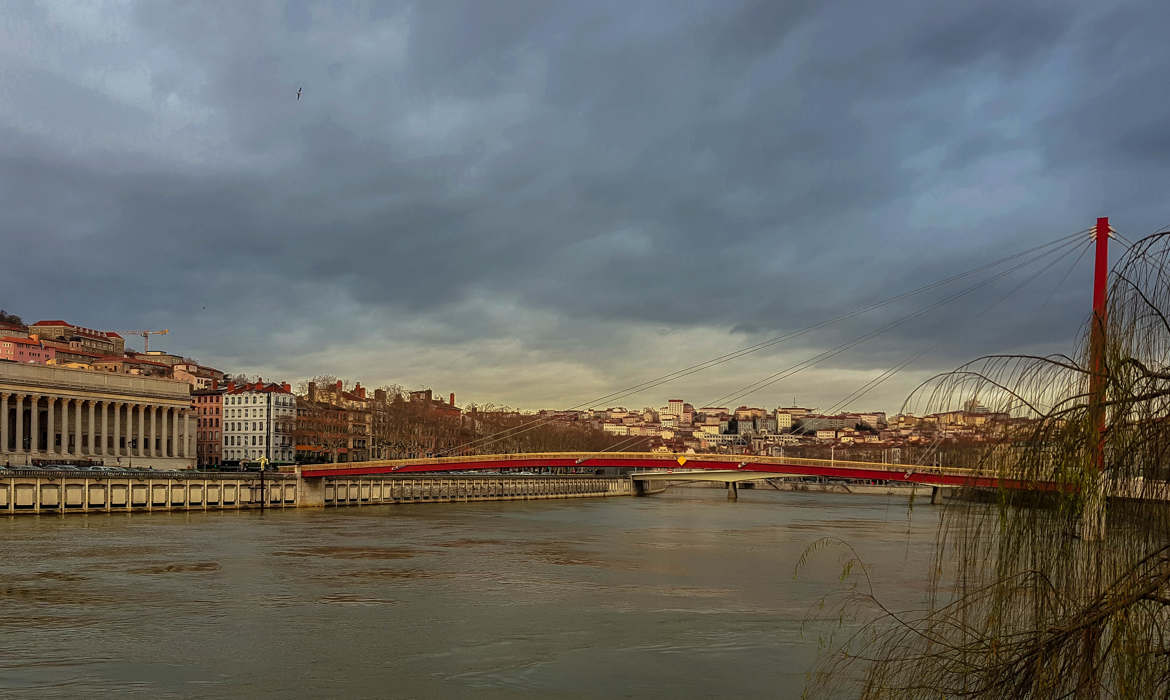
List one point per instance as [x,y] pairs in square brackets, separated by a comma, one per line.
[682,595]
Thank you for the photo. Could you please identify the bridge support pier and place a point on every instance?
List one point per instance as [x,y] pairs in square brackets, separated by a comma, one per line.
[732,491]
[310,491]
[938,493]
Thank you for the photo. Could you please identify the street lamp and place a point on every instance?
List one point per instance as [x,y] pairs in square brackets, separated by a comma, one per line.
[263,495]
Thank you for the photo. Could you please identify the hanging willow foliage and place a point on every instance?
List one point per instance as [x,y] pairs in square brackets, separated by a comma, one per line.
[1021,605]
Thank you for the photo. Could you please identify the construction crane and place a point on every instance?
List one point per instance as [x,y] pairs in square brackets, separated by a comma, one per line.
[146,337]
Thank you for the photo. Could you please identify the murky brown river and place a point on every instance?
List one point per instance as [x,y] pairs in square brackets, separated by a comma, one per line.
[677,595]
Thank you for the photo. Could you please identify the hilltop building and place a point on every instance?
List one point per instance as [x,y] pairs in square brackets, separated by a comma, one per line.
[87,339]
[26,350]
[198,376]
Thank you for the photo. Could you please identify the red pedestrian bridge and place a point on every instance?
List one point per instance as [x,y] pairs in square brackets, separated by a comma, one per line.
[666,466]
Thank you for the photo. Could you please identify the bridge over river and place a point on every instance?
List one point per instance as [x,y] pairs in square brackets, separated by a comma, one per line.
[464,478]
[648,468]
[480,477]
[764,467]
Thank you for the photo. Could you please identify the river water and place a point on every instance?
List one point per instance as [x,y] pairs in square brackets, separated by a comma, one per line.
[682,594]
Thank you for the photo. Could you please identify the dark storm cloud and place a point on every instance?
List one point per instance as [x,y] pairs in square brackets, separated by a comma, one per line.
[554,177]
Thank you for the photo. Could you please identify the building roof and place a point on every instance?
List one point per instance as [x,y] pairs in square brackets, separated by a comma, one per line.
[128,360]
[21,341]
[82,329]
[269,388]
[197,369]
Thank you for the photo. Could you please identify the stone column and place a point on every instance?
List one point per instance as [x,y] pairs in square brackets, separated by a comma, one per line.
[151,450]
[141,430]
[128,430]
[58,423]
[50,429]
[144,440]
[117,428]
[104,410]
[66,414]
[52,424]
[174,431]
[186,432]
[164,442]
[164,449]
[66,424]
[62,423]
[123,424]
[34,444]
[107,426]
[20,424]
[92,432]
[139,436]
[77,429]
[4,422]
[180,433]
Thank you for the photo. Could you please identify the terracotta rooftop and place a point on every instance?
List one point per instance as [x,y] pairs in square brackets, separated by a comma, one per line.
[21,341]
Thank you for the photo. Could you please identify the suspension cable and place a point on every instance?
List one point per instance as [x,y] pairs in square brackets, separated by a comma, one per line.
[877,381]
[1059,243]
[771,379]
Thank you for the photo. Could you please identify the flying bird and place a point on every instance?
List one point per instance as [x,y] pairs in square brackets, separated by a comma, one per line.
[299,94]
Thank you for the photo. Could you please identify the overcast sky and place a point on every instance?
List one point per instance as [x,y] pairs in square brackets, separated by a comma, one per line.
[535,203]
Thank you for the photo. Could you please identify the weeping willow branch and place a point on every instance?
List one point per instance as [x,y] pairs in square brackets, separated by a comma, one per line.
[1019,606]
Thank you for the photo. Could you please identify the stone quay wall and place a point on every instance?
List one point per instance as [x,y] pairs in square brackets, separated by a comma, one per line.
[413,488]
[35,491]
[43,491]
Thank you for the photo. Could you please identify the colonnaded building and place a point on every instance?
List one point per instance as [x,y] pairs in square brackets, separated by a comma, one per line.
[57,415]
